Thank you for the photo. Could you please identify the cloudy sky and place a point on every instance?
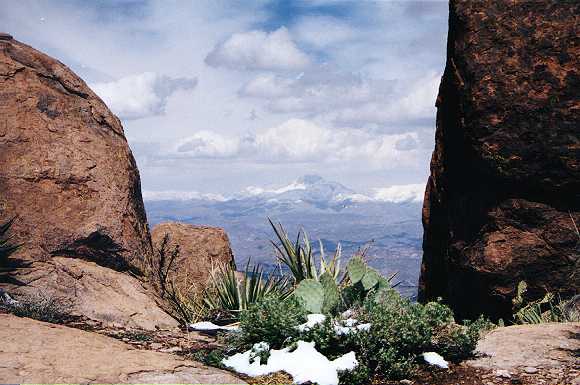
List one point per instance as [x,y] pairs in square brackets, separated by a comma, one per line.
[217,95]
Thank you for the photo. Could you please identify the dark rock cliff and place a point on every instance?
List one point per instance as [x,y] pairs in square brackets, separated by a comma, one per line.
[503,197]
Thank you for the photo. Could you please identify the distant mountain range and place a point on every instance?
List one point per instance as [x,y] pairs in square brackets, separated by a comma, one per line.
[388,222]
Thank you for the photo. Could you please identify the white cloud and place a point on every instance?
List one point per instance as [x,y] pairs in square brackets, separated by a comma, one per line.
[400,193]
[407,143]
[207,144]
[267,86]
[416,101]
[322,31]
[141,95]
[299,140]
[258,50]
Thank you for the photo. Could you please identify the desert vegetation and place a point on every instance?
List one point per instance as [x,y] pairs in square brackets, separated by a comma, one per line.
[347,315]
[7,247]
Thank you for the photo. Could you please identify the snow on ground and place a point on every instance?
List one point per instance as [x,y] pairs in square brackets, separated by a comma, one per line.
[312,320]
[341,327]
[209,326]
[304,364]
[433,358]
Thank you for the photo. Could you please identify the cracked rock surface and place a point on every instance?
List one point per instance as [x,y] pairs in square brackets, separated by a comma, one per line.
[37,352]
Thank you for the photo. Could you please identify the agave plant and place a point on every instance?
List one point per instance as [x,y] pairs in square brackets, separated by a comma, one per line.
[232,294]
[297,256]
[6,247]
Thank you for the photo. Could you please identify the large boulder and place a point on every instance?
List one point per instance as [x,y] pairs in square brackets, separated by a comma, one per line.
[502,202]
[68,176]
[37,352]
[201,248]
[66,169]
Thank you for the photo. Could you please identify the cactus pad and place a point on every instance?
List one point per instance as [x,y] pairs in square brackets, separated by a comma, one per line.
[356,269]
[310,293]
[370,279]
[331,293]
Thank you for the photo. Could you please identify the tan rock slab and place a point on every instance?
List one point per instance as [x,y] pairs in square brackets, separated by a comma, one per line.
[37,352]
[515,348]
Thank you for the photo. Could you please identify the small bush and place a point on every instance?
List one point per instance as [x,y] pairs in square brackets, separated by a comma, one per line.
[273,320]
[41,307]
[211,357]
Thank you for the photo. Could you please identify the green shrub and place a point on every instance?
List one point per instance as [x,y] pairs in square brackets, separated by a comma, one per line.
[272,320]
[401,331]
[211,357]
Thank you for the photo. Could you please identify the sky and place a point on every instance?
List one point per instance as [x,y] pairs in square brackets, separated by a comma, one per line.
[216,96]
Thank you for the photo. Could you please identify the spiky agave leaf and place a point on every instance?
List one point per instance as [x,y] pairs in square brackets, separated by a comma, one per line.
[229,293]
[6,247]
[331,266]
[298,256]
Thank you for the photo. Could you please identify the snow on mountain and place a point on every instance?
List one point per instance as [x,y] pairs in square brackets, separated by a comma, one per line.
[311,189]
[172,195]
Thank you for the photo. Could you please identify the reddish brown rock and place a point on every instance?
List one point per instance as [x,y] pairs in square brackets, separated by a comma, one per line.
[504,190]
[200,249]
[68,175]
[66,169]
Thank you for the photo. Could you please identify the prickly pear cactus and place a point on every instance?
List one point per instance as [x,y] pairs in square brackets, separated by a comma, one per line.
[331,293]
[311,294]
[370,279]
[356,269]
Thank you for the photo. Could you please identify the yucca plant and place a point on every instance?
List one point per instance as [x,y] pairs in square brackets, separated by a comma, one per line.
[297,256]
[547,309]
[229,293]
[6,246]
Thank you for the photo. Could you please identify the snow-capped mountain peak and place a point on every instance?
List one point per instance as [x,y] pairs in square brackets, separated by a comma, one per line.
[307,189]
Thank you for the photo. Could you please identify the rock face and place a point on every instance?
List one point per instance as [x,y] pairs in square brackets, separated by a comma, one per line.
[37,352]
[503,198]
[200,248]
[68,175]
[66,170]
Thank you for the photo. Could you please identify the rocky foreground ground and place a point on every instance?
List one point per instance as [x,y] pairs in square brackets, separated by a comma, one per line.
[38,352]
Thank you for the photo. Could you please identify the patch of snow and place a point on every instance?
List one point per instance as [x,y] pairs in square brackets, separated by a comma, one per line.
[304,364]
[435,359]
[209,326]
[364,327]
[312,320]
[355,197]
[350,322]
[257,191]
[349,325]
[347,313]
[261,347]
